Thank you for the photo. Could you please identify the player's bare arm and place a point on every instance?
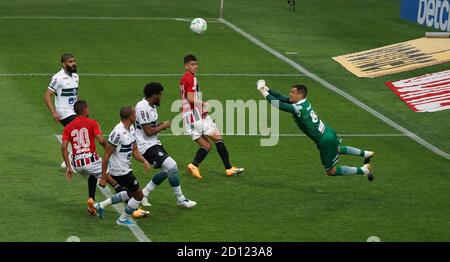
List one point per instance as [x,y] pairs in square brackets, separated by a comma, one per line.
[48,101]
[109,150]
[151,131]
[137,155]
[65,154]
[101,140]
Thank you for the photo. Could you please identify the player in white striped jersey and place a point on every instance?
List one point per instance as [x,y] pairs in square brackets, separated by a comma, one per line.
[147,128]
[64,85]
[117,163]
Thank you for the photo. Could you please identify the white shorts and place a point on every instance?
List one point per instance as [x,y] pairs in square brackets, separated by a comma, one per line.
[202,127]
[94,169]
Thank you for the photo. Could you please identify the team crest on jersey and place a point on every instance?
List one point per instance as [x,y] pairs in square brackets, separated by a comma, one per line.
[71,100]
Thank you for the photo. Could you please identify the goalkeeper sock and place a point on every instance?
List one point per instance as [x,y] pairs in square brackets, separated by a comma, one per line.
[348,150]
[348,170]
[223,152]
[199,156]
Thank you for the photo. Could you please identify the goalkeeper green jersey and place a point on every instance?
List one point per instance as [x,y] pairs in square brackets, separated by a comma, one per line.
[303,114]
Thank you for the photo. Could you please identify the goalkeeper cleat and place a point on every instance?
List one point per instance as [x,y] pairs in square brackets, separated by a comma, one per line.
[91,208]
[100,211]
[125,222]
[234,171]
[187,203]
[145,202]
[368,156]
[194,171]
[139,213]
[368,172]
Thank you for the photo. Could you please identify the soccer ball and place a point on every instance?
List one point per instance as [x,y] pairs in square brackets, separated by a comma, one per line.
[198,26]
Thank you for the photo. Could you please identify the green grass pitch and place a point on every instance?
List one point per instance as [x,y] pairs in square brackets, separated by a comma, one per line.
[284,195]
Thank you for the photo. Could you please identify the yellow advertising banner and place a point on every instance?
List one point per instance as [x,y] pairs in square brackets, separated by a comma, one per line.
[397,58]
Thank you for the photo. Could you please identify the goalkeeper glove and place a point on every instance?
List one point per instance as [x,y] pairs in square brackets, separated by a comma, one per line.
[262,88]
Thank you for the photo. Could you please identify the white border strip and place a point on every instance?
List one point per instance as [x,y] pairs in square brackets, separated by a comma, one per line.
[135,229]
[337,90]
[150,75]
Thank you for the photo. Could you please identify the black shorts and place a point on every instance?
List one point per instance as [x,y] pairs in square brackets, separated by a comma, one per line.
[129,181]
[67,120]
[156,155]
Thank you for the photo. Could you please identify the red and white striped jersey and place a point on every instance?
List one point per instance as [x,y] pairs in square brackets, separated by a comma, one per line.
[192,112]
[81,133]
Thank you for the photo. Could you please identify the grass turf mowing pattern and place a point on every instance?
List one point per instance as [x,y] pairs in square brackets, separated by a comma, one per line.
[283,195]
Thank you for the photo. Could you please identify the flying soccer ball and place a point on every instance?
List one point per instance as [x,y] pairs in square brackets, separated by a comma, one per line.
[198,26]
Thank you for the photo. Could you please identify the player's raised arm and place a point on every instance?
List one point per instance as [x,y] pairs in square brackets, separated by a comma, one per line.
[280,104]
[137,155]
[279,96]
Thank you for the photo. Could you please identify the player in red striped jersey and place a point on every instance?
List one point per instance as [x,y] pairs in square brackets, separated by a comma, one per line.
[197,122]
[81,133]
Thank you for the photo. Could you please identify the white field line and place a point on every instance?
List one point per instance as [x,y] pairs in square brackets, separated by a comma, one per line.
[333,88]
[135,229]
[153,74]
[181,19]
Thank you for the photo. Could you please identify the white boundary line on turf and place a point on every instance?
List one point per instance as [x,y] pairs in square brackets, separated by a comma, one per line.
[333,88]
[150,74]
[135,229]
[181,19]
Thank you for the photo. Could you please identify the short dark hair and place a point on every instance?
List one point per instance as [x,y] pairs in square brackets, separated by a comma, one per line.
[126,112]
[152,88]
[79,106]
[66,57]
[301,89]
[189,58]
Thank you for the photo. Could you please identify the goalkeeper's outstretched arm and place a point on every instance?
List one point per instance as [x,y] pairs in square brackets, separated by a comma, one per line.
[286,107]
[279,101]
[279,96]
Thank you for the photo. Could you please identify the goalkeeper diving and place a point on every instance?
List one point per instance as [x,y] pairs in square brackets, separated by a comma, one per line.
[324,136]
